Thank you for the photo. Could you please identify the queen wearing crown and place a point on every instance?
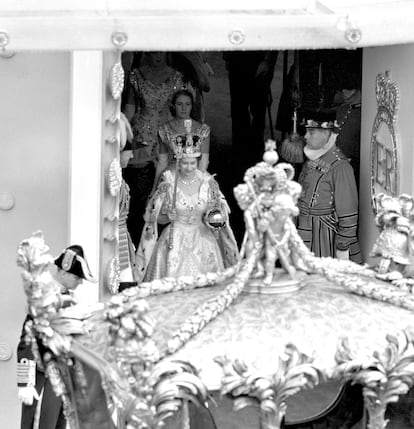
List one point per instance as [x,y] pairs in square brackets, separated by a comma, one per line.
[197,238]
[171,133]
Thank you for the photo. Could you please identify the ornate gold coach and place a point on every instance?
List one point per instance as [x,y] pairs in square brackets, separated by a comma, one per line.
[152,354]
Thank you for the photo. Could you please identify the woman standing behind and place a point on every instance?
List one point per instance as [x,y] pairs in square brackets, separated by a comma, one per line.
[185,198]
[181,124]
[151,87]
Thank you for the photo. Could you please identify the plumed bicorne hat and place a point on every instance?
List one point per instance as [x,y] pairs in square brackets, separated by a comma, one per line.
[72,260]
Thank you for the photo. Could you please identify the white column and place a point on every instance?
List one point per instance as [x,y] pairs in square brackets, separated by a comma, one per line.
[85,161]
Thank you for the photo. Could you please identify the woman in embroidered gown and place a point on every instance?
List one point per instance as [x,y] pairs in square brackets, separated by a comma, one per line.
[181,124]
[188,246]
[149,94]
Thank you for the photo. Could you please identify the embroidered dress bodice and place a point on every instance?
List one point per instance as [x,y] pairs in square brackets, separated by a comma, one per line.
[154,101]
[190,208]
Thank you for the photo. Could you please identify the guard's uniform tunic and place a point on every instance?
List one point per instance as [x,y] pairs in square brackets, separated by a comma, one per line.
[328,218]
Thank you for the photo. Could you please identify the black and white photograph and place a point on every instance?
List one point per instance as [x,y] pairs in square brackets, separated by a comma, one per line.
[207,214]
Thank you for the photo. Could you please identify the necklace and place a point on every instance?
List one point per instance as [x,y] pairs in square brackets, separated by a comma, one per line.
[179,124]
[188,182]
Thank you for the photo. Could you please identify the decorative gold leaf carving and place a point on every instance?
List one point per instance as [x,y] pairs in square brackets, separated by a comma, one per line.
[384,376]
[113,275]
[295,371]
[117,80]
[114,177]
[142,391]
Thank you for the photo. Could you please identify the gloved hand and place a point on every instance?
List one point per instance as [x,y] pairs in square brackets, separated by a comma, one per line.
[27,394]
[342,254]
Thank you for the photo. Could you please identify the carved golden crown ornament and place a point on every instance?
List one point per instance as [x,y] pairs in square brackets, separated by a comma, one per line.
[387,94]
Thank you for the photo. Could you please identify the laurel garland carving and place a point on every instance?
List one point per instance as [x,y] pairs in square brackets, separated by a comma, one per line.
[117,80]
[114,178]
[149,392]
[113,275]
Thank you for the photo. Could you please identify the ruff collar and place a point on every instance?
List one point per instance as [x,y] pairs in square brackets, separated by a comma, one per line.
[313,154]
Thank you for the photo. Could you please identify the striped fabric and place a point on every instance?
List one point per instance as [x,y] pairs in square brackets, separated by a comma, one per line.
[124,257]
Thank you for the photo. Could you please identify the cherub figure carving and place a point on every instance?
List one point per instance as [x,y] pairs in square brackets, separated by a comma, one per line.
[395,244]
[268,198]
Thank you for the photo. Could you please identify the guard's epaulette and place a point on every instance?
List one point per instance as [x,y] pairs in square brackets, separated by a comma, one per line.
[324,164]
[333,156]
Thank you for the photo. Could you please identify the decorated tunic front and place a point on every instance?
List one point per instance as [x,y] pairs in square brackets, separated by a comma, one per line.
[328,205]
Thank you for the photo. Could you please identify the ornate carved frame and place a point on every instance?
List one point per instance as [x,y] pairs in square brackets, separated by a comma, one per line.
[387,95]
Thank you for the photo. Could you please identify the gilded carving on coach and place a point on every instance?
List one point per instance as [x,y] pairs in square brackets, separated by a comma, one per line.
[385,153]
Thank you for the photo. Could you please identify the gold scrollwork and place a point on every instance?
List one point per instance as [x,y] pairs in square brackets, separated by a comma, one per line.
[295,371]
[384,375]
[117,80]
[113,273]
[4,41]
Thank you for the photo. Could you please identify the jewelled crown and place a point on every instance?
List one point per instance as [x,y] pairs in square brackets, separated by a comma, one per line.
[387,94]
[188,145]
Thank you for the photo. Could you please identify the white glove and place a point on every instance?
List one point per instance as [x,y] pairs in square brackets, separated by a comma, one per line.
[342,254]
[27,394]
